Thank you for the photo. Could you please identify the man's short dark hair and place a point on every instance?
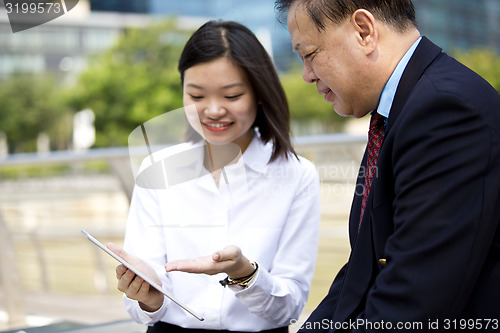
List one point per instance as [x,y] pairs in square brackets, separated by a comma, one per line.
[400,14]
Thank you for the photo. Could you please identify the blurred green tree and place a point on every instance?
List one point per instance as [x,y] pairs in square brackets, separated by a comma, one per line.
[307,107]
[485,62]
[32,104]
[131,83]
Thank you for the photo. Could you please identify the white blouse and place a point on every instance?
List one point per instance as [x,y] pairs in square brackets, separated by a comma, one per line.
[271,211]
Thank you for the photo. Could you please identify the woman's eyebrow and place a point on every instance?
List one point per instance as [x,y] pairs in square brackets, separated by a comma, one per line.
[232,85]
[237,84]
[192,85]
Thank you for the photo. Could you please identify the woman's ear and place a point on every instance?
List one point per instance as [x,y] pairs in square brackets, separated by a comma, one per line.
[365,26]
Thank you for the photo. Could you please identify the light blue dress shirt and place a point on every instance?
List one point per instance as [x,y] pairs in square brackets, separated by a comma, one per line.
[389,91]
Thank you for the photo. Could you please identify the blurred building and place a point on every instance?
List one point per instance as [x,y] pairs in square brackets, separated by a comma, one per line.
[62,45]
[258,15]
[452,24]
[122,6]
[460,24]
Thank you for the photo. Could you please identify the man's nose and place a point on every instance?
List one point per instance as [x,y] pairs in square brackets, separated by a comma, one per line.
[308,74]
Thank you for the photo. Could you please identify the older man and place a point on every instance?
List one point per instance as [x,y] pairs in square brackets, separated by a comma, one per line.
[424,230]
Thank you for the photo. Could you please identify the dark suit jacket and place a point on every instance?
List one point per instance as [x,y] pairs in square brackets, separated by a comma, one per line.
[433,213]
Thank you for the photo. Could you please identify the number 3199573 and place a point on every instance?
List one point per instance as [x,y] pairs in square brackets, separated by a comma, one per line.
[33,7]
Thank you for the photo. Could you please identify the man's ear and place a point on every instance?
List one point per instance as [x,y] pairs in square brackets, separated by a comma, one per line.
[364,24]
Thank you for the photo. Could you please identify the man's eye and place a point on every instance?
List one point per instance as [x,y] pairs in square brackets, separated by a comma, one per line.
[308,56]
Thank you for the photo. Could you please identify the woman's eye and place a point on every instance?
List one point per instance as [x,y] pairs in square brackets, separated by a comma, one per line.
[233,97]
[195,97]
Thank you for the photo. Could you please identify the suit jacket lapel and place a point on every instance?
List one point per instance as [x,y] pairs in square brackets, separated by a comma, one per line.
[358,275]
[423,56]
[356,203]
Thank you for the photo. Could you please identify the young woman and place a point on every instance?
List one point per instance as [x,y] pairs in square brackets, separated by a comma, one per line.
[248,229]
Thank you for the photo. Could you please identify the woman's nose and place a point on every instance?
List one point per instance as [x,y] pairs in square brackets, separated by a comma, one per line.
[214,110]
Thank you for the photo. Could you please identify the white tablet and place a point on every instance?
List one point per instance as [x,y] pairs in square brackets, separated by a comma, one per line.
[138,273]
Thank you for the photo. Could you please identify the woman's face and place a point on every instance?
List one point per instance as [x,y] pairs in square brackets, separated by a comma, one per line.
[224,100]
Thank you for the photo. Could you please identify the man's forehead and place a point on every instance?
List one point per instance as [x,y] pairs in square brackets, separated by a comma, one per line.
[299,24]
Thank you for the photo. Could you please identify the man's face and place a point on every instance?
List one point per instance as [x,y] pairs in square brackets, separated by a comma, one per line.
[334,60]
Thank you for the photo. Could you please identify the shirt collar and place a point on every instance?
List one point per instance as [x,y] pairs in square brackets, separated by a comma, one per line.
[255,157]
[389,91]
[257,154]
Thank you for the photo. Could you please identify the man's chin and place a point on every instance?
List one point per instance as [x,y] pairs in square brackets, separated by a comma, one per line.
[342,112]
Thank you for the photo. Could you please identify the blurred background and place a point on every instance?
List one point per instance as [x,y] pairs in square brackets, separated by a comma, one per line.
[72,90]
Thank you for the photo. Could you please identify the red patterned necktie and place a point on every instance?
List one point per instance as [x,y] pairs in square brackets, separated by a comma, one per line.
[375,137]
